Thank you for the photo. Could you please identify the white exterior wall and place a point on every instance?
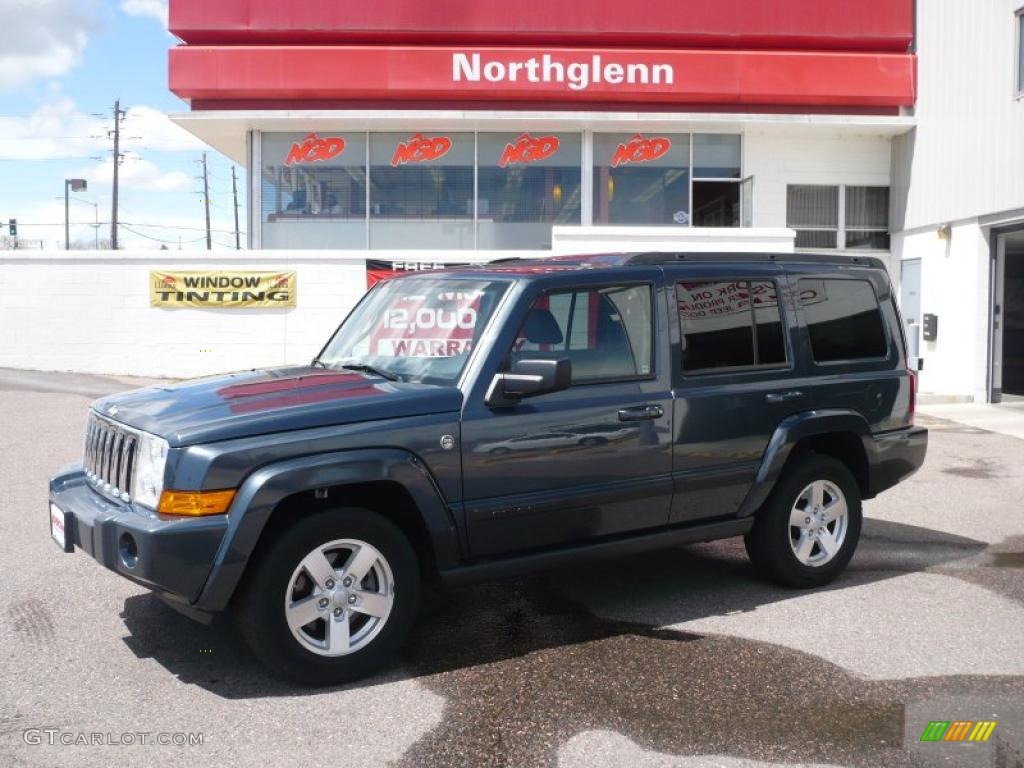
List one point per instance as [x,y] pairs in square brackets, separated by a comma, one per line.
[798,155]
[91,314]
[962,166]
[966,157]
[954,286]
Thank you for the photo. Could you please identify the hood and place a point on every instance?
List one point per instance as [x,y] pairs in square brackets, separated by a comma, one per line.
[274,400]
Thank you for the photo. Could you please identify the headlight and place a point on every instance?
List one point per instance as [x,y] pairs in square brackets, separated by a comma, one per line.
[150,460]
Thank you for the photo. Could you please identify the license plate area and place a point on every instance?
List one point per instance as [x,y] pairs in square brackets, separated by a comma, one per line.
[60,528]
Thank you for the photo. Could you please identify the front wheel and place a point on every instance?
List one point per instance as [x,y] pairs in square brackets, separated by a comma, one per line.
[807,531]
[332,599]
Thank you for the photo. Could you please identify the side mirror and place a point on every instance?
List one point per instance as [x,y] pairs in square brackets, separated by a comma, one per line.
[529,378]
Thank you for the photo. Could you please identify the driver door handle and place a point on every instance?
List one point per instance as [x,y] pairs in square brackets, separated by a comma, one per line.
[641,413]
[783,397]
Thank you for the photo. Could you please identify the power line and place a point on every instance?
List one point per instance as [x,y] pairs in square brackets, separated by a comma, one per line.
[160,239]
[131,223]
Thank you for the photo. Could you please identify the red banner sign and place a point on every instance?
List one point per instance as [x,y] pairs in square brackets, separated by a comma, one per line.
[294,75]
[527,149]
[420,149]
[641,150]
[377,270]
[313,149]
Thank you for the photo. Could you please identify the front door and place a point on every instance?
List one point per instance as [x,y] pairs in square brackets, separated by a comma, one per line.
[589,461]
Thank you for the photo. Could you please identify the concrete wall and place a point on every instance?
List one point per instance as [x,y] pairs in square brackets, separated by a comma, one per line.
[954,286]
[91,313]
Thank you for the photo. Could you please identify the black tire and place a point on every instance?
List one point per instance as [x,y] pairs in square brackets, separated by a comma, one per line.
[260,609]
[769,542]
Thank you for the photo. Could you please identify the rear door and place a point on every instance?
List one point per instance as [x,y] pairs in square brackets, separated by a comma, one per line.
[590,461]
[734,379]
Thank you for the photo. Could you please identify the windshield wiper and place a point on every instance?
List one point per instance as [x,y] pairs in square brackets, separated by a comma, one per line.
[369,369]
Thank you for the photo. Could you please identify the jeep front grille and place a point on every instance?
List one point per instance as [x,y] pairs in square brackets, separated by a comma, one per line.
[109,458]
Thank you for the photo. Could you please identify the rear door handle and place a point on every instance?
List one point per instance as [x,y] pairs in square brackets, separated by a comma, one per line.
[783,397]
[641,413]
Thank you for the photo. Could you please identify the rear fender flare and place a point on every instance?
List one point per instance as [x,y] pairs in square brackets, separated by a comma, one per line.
[791,431]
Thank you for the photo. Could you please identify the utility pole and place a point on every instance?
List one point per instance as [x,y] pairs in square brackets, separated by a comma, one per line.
[119,115]
[234,190]
[206,199]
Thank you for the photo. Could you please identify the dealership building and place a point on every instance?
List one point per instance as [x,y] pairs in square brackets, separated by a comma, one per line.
[886,128]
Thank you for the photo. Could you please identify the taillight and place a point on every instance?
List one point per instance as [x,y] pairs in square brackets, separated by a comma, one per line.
[913,396]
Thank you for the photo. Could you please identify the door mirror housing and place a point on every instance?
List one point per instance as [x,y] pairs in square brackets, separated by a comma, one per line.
[529,378]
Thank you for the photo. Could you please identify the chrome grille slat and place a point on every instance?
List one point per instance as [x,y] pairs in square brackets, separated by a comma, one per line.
[122,462]
[109,456]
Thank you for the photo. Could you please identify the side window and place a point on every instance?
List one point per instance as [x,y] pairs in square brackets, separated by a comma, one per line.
[605,332]
[843,319]
[730,324]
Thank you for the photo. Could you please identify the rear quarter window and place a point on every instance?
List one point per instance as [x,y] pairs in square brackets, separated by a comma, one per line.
[844,320]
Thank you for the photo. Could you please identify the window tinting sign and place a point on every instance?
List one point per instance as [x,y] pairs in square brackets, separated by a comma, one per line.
[421,149]
[641,150]
[529,149]
[314,149]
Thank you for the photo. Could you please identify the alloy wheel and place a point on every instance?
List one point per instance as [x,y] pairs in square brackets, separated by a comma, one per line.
[818,523]
[339,597]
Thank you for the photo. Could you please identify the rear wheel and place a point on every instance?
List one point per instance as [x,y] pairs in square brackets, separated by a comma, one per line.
[807,531]
[332,599]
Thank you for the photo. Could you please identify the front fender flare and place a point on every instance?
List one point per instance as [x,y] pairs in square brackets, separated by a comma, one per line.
[265,488]
[791,431]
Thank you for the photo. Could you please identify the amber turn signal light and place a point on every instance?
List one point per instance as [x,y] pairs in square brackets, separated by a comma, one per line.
[195,503]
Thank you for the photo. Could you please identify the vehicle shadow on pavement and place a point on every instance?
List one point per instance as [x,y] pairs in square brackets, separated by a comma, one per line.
[525,666]
[540,612]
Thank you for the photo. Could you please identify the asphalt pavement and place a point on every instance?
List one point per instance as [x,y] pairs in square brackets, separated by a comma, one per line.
[679,658]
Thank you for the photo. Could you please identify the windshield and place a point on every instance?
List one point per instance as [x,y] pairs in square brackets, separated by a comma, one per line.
[416,328]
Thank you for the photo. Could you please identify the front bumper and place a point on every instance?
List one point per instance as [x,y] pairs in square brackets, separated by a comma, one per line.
[173,556]
[895,456]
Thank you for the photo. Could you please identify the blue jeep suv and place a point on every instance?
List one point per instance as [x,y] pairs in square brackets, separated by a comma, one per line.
[489,421]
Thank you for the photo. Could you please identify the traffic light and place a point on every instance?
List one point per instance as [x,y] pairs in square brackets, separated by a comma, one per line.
[14,227]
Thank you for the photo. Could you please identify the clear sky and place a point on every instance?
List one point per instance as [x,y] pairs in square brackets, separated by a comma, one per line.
[62,65]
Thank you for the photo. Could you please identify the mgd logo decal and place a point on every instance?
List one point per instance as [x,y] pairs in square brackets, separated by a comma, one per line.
[528,149]
[419,149]
[313,149]
[641,150]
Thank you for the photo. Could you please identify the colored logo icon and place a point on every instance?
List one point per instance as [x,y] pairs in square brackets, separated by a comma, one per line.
[958,730]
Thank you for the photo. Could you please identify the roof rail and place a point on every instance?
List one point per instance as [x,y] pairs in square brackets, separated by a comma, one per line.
[660,258]
[506,260]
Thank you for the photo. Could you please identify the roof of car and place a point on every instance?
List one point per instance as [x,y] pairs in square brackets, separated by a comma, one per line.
[536,267]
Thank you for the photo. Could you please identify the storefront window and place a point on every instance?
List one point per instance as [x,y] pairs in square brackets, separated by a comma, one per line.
[642,179]
[527,183]
[438,190]
[314,190]
[716,174]
[716,156]
[421,190]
